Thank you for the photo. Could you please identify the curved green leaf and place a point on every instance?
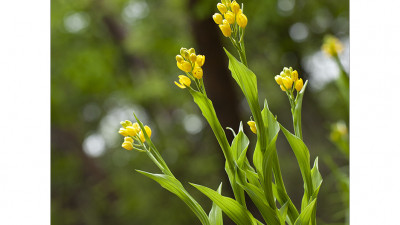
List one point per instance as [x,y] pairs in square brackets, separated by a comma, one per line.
[215,215]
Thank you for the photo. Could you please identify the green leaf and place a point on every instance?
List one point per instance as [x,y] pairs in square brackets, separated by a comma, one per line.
[173,185]
[155,153]
[297,111]
[283,212]
[316,175]
[208,112]
[267,171]
[303,158]
[258,198]
[305,215]
[247,81]
[215,215]
[239,143]
[236,212]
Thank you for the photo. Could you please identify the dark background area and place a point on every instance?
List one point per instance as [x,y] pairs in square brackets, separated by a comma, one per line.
[110,58]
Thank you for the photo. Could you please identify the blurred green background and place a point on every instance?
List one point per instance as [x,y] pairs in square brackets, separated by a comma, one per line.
[112,57]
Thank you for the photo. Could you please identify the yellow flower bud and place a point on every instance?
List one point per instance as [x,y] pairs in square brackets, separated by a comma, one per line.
[126,123]
[288,82]
[217,18]
[148,131]
[127,145]
[182,51]
[193,57]
[128,139]
[299,85]
[184,66]
[123,132]
[225,28]
[295,76]
[131,131]
[278,79]
[235,7]
[183,81]
[179,58]
[241,20]
[200,60]
[191,51]
[222,8]
[252,126]
[230,17]
[136,127]
[282,88]
[198,72]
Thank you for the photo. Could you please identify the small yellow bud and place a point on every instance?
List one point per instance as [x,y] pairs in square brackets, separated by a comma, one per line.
[222,8]
[193,57]
[136,127]
[148,131]
[252,126]
[127,145]
[183,81]
[217,18]
[282,88]
[230,17]
[182,51]
[241,20]
[278,79]
[200,60]
[179,58]
[128,139]
[295,76]
[198,72]
[225,28]
[235,7]
[123,132]
[131,131]
[299,85]
[126,123]
[191,51]
[288,82]
[184,66]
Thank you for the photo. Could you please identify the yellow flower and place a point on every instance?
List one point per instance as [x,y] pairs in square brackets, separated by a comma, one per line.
[332,46]
[193,57]
[136,127]
[184,81]
[295,76]
[148,131]
[127,145]
[217,18]
[198,72]
[241,20]
[252,126]
[123,132]
[225,28]
[282,88]
[222,8]
[200,60]
[131,131]
[179,58]
[235,7]
[230,17]
[278,79]
[128,139]
[288,82]
[183,51]
[184,66]
[299,85]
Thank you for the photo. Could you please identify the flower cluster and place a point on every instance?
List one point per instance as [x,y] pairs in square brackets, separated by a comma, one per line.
[191,64]
[132,133]
[231,20]
[332,46]
[287,78]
